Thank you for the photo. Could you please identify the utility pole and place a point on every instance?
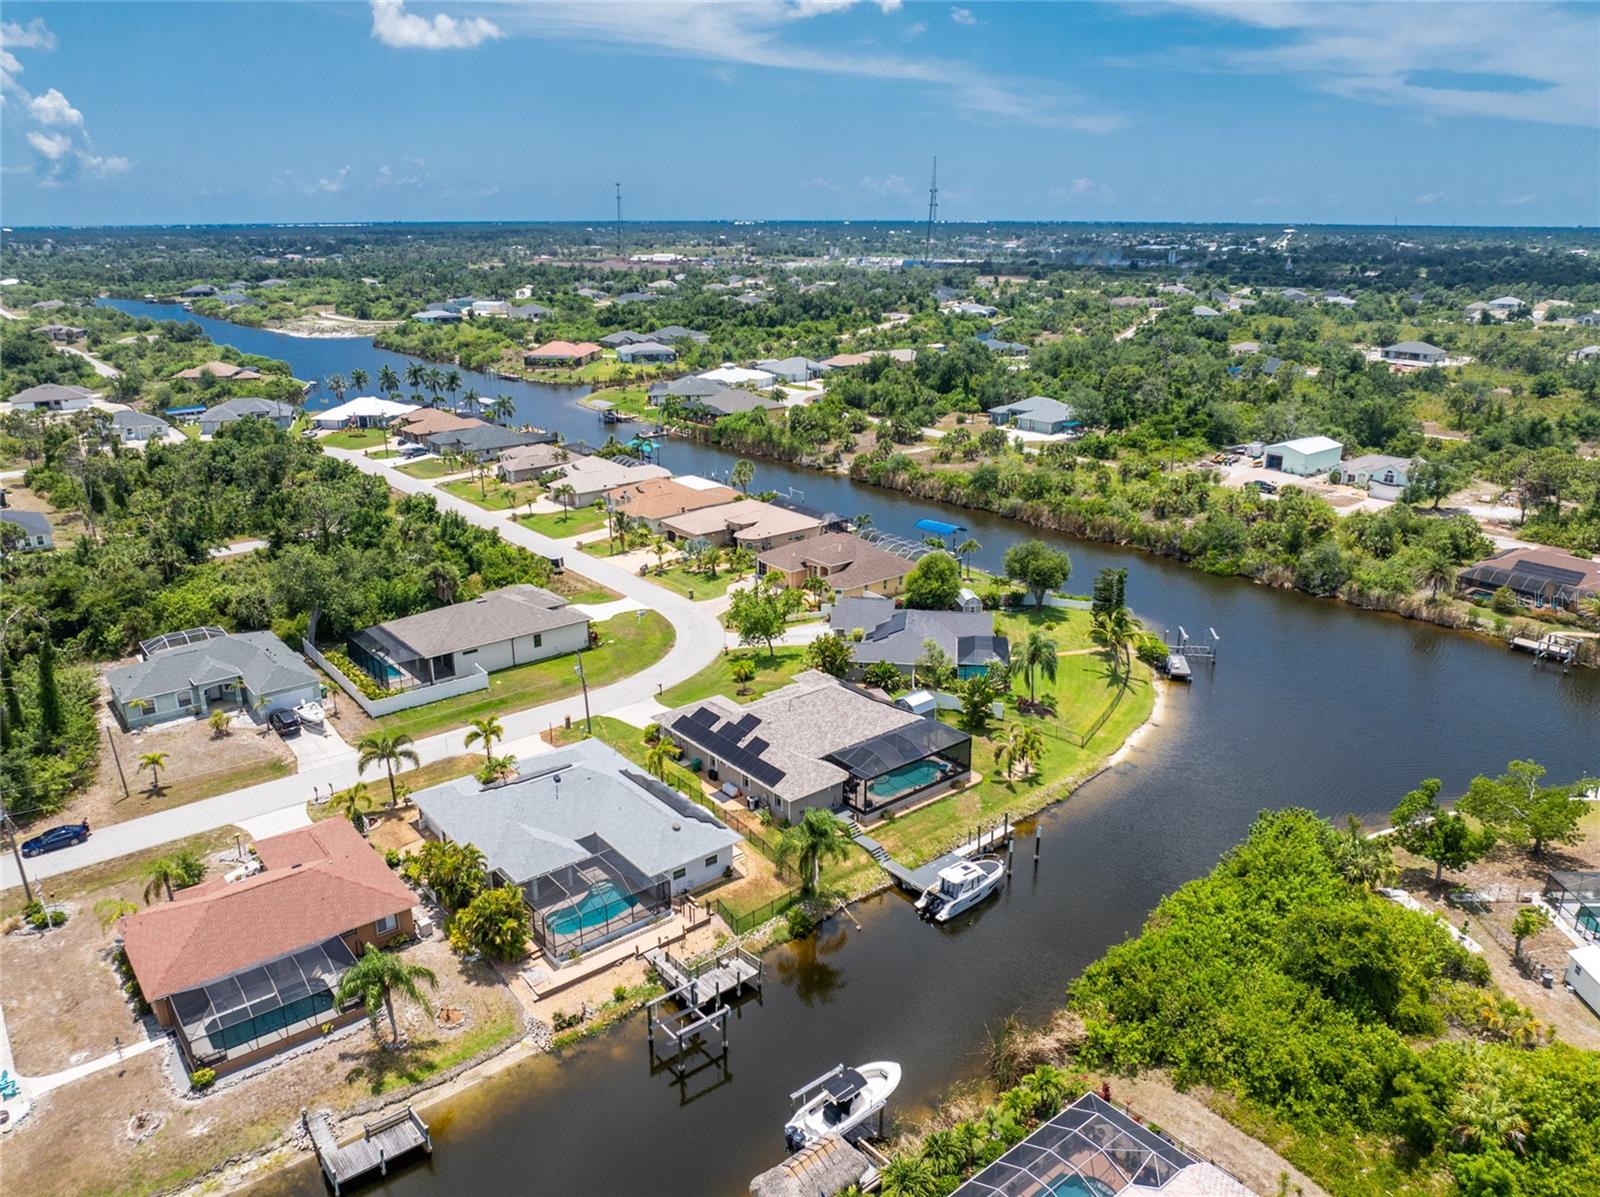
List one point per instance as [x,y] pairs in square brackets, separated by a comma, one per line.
[588,723]
[619,220]
[10,829]
[933,207]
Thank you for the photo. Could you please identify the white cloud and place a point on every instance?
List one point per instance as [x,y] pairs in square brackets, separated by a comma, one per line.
[336,183]
[1432,197]
[1528,61]
[1516,201]
[754,33]
[53,146]
[106,166]
[387,177]
[53,108]
[821,184]
[394,26]
[892,185]
[32,36]
[963,16]
[1083,190]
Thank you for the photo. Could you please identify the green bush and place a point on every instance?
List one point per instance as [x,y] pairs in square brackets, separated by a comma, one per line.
[355,675]
[203,1078]
[39,918]
[800,922]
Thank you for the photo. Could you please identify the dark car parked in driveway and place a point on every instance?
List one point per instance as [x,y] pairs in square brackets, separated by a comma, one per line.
[285,723]
[56,837]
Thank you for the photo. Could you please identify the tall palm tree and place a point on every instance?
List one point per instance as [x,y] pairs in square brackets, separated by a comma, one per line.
[817,837]
[863,521]
[108,910]
[1436,572]
[155,762]
[161,875]
[416,376]
[472,401]
[1008,748]
[744,472]
[964,550]
[452,383]
[337,385]
[502,408]
[389,749]
[564,494]
[434,380]
[1038,652]
[388,380]
[1114,630]
[358,379]
[486,732]
[376,978]
[659,755]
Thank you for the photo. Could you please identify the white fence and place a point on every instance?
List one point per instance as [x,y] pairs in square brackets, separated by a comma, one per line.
[405,699]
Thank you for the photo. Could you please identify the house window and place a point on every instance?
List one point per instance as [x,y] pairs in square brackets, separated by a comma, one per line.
[186,700]
[711,862]
[538,640]
[386,924]
[680,874]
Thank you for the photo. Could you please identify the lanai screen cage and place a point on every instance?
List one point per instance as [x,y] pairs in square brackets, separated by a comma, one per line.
[1090,1148]
[899,763]
[580,905]
[1535,582]
[260,1006]
[1575,897]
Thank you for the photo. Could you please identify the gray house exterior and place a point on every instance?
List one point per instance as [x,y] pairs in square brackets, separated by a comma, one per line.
[52,396]
[26,531]
[184,674]
[646,351]
[280,414]
[897,636]
[1037,414]
[138,426]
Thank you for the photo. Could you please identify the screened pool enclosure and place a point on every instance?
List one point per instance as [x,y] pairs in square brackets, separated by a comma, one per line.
[262,1006]
[579,905]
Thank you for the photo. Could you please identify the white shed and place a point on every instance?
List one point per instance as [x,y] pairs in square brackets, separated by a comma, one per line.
[918,702]
[1306,456]
[1583,974]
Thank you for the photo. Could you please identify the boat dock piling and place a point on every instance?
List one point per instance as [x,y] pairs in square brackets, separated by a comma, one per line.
[915,881]
[381,1141]
[1550,647]
[699,991]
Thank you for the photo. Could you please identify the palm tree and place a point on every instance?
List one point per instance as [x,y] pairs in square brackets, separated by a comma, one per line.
[744,470]
[863,521]
[337,385]
[376,978]
[388,380]
[485,732]
[1437,572]
[964,550]
[1591,606]
[564,494]
[109,910]
[472,400]
[434,379]
[416,376]
[1008,748]
[496,768]
[452,383]
[910,1176]
[1486,1117]
[658,546]
[659,755]
[221,723]
[502,408]
[358,379]
[743,672]
[155,762]
[1030,747]
[817,837]
[389,749]
[1114,630]
[160,876]
[1038,652]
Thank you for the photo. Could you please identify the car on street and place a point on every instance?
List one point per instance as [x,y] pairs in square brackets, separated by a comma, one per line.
[285,723]
[57,837]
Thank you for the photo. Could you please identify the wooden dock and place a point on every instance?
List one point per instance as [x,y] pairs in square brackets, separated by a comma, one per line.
[915,881]
[1554,647]
[381,1142]
[695,1005]
[711,979]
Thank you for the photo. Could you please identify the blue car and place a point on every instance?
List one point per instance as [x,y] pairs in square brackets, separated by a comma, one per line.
[56,837]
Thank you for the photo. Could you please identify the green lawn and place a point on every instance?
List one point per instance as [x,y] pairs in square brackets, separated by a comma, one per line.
[717,677]
[1069,629]
[635,401]
[384,454]
[693,584]
[563,524]
[428,467]
[628,643]
[433,773]
[355,438]
[492,495]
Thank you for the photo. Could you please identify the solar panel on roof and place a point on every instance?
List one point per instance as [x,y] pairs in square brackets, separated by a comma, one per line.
[746,725]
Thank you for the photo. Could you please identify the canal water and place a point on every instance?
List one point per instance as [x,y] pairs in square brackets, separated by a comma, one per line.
[1311,703]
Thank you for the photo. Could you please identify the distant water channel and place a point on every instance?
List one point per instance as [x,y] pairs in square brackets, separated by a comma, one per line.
[1311,703]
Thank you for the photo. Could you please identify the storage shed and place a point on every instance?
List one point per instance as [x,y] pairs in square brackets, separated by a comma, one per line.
[1305,456]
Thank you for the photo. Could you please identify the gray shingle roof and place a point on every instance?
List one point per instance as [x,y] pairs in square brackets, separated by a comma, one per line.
[897,636]
[31,522]
[1038,407]
[266,663]
[532,824]
[504,614]
[486,438]
[50,392]
[238,409]
[142,425]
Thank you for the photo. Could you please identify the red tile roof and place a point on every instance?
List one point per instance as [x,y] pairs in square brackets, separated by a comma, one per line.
[320,881]
[564,349]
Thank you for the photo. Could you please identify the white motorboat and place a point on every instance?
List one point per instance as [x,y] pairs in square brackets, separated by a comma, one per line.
[960,887]
[837,1102]
[310,712]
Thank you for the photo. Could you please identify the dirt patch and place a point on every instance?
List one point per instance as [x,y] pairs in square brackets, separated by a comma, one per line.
[200,764]
[65,527]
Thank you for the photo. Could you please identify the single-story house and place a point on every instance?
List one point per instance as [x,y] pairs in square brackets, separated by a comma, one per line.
[655,499]
[635,297]
[227,371]
[684,389]
[214,418]
[851,565]
[500,628]
[239,970]
[592,477]
[623,337]
[1588,353]
[845,361]
[62,332]
[1037,414]
[1244,348]
[1295,295]
[52,397]
[425,422]
[1006,348]
[1506,303]
[596,845]
[201,291]
[1337,300]
[1306,456]
[1204,312]
[730,375]
[1383,476]
[131,426]
[1413,353]
[747,523]
[25,531]
[187,414]
[527,311]
[673,333]
[488,307]
[485,442]
[818,742]
[522,462]
[1540,577]
[647,351]
[562,353]
[791,369]
[726,401]
[896,635]
[437,316]
[364,411]
[973,309]
[184,674]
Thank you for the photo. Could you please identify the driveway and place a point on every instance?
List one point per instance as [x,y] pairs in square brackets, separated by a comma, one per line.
[700,638]
[319,747]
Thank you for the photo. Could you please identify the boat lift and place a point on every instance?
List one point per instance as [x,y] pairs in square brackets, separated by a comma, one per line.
[1180,655]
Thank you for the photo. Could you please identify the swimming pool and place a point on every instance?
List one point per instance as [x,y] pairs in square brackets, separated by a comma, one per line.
[904,779]
[602,904]
[1080,1186]
[1588,918]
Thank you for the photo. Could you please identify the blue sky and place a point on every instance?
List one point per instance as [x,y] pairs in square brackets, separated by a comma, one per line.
[151,112]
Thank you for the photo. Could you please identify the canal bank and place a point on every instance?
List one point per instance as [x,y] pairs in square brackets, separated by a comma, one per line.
[1311,703]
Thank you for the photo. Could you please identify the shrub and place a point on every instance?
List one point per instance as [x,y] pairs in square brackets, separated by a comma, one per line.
[1152,652]
[619,993]
[495,923]
[39,918]
[391,858]
[355,675]
[800,922]
[202,1079]
[1504,601]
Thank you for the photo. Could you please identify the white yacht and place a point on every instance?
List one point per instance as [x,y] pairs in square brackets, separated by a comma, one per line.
[311,711]
[837,1102]
[960,887]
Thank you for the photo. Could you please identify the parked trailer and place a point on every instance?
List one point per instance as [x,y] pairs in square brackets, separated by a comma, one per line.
[1583,975]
